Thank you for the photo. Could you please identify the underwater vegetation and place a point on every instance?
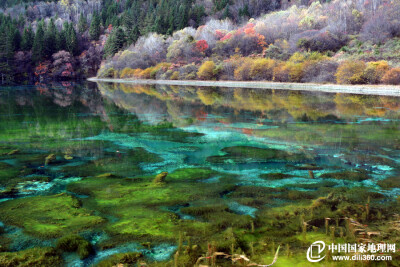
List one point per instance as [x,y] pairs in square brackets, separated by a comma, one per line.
[93,182]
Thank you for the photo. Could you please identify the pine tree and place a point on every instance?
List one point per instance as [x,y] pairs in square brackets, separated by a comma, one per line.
[6,56]
[27,39]
[82,24]
[94,30]
[115,42]
[38,48]
[60,40]
[227,13]
[71,40]
[50,42]
[15,38]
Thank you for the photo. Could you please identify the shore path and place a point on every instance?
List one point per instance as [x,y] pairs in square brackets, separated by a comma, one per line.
[384,90]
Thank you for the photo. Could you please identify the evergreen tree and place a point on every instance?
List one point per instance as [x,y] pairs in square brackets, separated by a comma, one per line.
[27,39]
[226,13]
[60,40]
[115,42]
[38,48]
[71,41]
[94,30]
[6,56]
[82,24]
[50,42]
[15,38]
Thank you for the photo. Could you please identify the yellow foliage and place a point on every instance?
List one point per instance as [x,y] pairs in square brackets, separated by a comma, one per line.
[206,70]
[137,72]
[242,71]
[127,73]
[145,74]
[297,57]
[351,72]
[281,72]
[295,71]
[174,76]
[262,69]
[375,71]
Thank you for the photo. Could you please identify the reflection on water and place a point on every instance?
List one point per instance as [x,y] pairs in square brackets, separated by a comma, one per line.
[81,159]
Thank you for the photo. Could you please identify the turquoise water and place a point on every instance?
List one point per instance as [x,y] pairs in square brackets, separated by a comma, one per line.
[108,140]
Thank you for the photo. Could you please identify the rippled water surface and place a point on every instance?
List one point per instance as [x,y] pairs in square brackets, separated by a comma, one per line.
[246,168]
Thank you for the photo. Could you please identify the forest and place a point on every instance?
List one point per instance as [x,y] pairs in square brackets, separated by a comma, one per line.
[352,42]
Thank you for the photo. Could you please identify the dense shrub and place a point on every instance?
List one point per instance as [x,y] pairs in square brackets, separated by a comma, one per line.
[206,70]
[392,76]
[242,71]
[319,41]
[174,76]
[127,73]
[228,70]
[262,69]
[188,72]
[320,72]
[374,71]
[295,71]
[106,72]
[351,72]
[281,72]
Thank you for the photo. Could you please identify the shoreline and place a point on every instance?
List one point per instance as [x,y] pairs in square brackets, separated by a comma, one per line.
[382,90]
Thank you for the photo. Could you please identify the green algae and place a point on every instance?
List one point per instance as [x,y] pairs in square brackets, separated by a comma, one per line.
[275,176]
[192,174]
[137,204]
[120,163]
[48,216]
[354,175]
[245,154]
[136,207]
[127,259]
[388,183]
[31,257]
[75,243]
[10,175]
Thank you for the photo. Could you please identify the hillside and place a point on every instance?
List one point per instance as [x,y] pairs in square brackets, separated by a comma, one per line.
[353,42]
[68,39]
[36,30]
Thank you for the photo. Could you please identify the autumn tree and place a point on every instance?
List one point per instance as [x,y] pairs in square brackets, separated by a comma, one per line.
[392,77]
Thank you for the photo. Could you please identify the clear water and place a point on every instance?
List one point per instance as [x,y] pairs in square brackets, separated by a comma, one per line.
[93,129]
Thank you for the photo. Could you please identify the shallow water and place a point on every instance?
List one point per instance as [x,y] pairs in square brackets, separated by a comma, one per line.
[108,140]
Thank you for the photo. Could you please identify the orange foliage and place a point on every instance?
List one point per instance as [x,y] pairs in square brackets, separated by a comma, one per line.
[392,76]
[375,71]
[281,72]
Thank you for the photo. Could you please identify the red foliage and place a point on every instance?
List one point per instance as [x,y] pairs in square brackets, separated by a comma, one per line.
[42,69]
[220,34]
[68,71]
[226,37]
[249,31]
[201,45]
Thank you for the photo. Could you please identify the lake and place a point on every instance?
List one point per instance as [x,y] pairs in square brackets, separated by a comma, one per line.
[114,173]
